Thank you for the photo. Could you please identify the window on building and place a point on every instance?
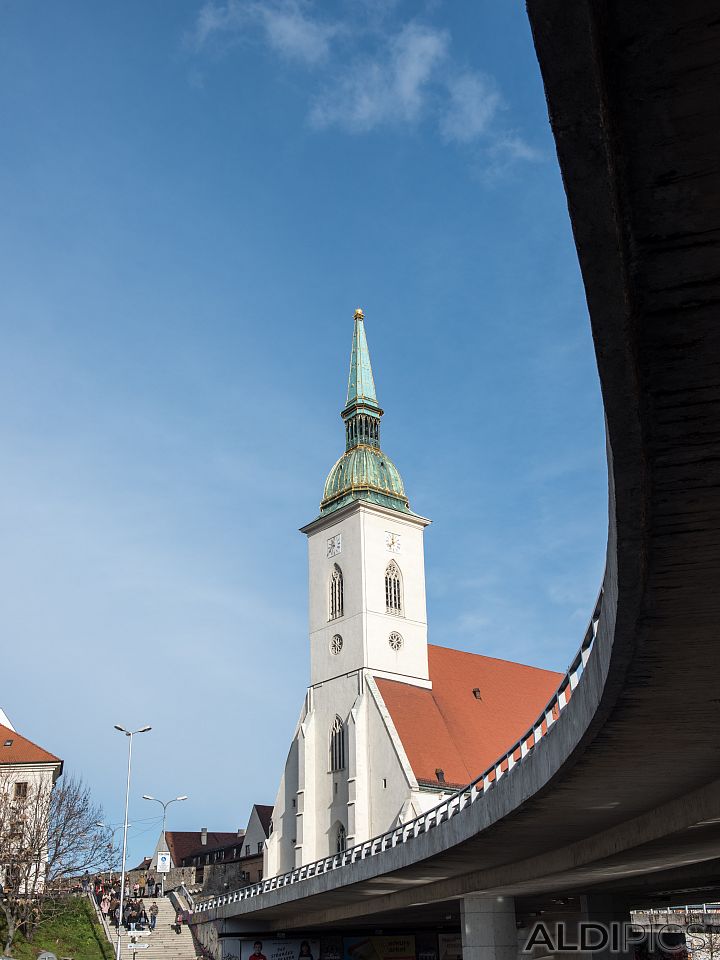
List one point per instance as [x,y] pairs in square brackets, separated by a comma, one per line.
[21,790]
[260,847]
[393,589]
[247,850]
[341,839]
[336,593]
[337,745]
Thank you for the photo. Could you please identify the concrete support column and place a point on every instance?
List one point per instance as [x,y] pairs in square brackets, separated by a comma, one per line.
[488,928]
[610,913]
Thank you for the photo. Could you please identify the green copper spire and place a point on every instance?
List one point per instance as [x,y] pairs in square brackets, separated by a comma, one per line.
[361,384]
[363,472]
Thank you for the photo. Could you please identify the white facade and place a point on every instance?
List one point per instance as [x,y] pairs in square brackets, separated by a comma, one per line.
[360,541]
[254,839]
[319,809]
[25,788]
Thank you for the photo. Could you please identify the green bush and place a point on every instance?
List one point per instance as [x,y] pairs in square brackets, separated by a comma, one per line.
[73,932]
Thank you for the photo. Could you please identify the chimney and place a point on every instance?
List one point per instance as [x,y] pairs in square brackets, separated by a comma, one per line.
[203,836]
[240,833]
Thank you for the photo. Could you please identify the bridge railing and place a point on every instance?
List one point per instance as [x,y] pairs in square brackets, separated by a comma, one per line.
[447,808]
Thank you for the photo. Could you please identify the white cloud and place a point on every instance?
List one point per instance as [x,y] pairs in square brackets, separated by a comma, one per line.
[294,35]
[502,153]
[371,76]
[215,18]
[390,88]
[473,104]
[284,24]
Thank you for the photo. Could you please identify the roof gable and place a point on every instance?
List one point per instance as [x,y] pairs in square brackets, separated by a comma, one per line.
[264,812]
[448,728]
[14,748]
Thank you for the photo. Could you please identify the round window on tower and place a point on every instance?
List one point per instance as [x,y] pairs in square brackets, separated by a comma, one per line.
[336,644]
[395,641]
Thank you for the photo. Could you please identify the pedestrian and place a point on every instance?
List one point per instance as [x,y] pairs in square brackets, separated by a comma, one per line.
[158,888]
[142,885]
[178,922]
[153,915]
[105,905]
[85,882]
[136,889]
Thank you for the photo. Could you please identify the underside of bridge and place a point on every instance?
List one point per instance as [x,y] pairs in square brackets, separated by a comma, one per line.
[624,797]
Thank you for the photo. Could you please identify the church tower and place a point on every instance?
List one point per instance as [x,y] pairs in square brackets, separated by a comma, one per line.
[385,728]
[365,552]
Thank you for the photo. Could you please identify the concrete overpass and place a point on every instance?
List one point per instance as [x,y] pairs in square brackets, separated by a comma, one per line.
[614,793]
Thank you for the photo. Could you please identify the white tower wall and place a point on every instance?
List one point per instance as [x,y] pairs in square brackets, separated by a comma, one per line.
[365,532]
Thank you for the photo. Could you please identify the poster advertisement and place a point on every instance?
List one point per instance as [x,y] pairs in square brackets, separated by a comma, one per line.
[426,945]
[331,948]
[236,949]
[380,948]
[450,946]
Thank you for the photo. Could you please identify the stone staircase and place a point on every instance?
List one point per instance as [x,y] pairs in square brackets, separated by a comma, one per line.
[163,943]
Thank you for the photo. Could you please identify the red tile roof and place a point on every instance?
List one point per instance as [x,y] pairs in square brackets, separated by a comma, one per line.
[14,748]
[188,843]
[447,728]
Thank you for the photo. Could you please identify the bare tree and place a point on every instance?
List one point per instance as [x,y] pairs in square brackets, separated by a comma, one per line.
[49,836]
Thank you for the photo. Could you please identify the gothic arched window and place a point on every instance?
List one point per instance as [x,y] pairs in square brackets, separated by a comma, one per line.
[336,593]
[341,839]
[393,589]
[337,745]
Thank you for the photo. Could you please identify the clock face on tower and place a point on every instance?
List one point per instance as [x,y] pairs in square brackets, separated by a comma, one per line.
[334,545]
[392,541]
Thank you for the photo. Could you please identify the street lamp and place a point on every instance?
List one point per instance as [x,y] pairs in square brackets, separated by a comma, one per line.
[129,734]
[164,804]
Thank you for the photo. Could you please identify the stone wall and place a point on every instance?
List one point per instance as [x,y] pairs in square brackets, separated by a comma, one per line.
[206,937]
[173,879]
[221,877]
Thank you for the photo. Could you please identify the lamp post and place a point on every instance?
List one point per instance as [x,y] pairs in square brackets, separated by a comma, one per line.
[164,804]
[129,734]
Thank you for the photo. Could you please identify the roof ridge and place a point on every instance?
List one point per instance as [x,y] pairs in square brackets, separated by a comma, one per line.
[485,656]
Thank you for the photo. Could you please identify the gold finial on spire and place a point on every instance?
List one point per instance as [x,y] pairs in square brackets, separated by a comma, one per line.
[359,315]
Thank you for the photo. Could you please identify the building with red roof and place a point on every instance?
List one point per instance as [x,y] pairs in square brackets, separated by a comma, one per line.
[26,769]
[390,723]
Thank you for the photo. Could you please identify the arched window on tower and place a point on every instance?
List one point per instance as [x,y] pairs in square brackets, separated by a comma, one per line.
[393,589]
[341,839]
[337,745]
[336,593]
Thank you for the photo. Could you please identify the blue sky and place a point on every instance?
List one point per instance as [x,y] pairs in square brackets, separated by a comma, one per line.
[194,197]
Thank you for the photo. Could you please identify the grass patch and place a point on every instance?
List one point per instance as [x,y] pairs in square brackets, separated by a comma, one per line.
[73,933]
